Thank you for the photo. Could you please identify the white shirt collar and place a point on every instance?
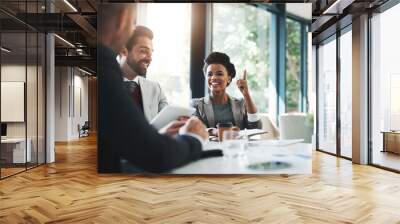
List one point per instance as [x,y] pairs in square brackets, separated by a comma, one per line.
[136,79]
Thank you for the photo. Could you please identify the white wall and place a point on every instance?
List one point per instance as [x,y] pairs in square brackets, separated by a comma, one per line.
[80,112]
[71,102]
[16,73]
[33,126]
[62,82]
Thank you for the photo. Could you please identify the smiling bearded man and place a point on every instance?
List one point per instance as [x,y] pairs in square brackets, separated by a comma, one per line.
[147,94]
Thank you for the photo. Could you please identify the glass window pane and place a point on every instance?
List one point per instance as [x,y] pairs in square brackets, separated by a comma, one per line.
[293,68]
[31,97]
[327,97]
[41,99]
[171,34]
[346,94]
[14,153]
[244,37]
[386,88]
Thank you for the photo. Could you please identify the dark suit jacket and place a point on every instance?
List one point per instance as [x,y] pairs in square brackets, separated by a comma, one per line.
[124,132]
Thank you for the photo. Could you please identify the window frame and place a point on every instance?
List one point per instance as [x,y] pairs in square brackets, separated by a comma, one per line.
[336,36]
[28,29]
[277,56]
[344,23]
[379,10]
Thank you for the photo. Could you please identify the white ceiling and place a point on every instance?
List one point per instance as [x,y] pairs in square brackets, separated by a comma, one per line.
[303,10]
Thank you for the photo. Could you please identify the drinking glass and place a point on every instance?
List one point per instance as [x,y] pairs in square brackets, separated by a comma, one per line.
[233,145]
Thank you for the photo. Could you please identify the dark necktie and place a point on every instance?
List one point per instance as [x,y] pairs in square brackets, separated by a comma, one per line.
[136,94]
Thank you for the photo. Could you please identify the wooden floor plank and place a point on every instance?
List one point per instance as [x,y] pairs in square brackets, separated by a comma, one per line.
[71,191]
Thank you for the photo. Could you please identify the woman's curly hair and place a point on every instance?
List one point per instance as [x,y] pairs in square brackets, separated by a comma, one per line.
[220,58]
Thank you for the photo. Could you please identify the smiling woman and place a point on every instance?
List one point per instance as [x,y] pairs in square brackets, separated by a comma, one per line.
[219,107]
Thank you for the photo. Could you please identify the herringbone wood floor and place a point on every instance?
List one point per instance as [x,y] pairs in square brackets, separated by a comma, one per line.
[70,191]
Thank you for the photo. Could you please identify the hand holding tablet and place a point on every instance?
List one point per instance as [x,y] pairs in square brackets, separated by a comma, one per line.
[171,113]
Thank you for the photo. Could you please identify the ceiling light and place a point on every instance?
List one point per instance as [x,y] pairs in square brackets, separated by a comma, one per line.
[65,41]
[333,6]
[84,71]
[5,50]
[337,7]
[80,51]
[70,5]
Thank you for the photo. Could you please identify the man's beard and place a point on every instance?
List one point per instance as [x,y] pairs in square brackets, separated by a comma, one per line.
[137,68]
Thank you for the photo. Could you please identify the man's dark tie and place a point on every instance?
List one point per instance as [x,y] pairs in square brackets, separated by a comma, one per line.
[136,93]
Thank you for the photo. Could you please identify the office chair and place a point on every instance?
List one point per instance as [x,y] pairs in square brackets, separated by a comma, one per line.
[84,130]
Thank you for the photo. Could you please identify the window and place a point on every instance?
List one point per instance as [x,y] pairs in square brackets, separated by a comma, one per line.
[244,37]
[171,25]
[327,96]
[385,84]
[293,68]
[346,94]
[22,79]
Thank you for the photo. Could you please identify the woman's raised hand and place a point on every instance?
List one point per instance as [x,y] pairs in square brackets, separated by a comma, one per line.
[242,84]
[244,89]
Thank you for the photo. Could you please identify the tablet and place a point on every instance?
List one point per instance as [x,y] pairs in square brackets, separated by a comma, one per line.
[252,132]
[170,113]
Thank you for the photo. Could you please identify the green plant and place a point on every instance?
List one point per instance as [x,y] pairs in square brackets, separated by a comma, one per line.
[310,120]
